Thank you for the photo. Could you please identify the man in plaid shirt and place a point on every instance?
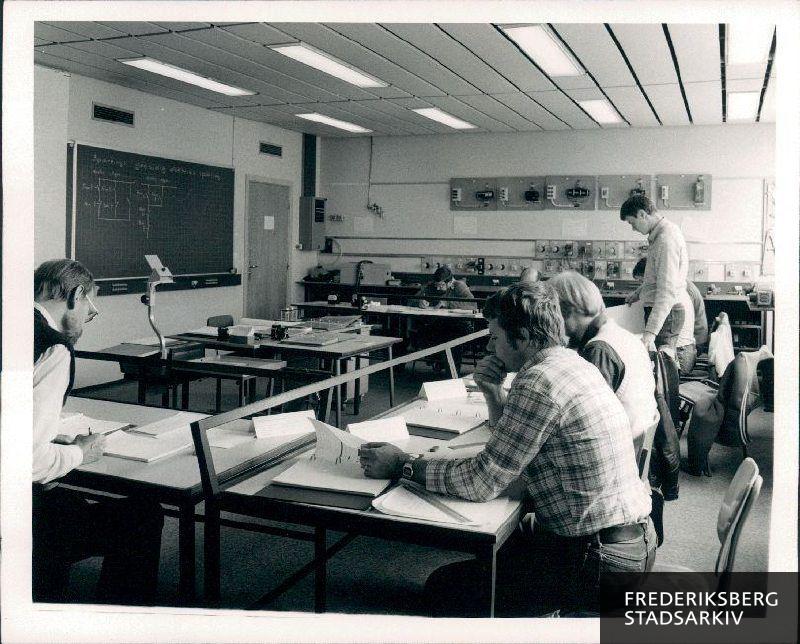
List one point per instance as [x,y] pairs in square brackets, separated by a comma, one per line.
[564,432]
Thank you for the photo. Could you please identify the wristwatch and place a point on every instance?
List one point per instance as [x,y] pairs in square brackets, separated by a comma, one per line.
[408,467]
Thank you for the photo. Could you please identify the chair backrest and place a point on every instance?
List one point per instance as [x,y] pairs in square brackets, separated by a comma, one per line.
[739,498]
[220,320]
[647,449]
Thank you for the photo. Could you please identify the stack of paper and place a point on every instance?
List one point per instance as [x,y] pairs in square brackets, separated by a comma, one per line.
[138,447]
[175,422]
[453,417]
[289,425]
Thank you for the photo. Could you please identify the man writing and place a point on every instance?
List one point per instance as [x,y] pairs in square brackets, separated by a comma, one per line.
[443,284]
[66,526]
[566,434]
[665,275]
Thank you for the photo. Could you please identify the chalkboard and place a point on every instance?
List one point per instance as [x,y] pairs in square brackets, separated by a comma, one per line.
[131,205]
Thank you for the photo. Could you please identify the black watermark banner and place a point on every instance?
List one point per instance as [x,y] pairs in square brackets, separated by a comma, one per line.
[688,607]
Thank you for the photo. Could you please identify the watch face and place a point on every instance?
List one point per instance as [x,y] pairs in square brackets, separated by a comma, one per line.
[408,470]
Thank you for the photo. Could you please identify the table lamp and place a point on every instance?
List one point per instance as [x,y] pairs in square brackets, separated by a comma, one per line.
[159,274]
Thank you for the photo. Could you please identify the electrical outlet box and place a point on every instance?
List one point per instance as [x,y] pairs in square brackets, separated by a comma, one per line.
[613,270]
[600,267]
[541,249]
[556,248]
[570,249]
[614,250]
[614,189]
[635,249]
[476,194]
[523,193]
[683,191]
[598,249]
[698,271]
[575,192]
[588,269]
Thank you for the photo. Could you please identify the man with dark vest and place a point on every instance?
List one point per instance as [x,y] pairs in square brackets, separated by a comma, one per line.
[66,526]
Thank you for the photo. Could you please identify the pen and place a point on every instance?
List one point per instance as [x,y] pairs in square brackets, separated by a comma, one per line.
[438,447]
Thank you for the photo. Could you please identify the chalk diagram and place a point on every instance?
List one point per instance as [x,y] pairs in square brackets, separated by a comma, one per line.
[130,201]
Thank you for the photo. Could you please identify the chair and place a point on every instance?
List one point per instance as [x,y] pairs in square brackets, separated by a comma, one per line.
[245,383]
[739,498]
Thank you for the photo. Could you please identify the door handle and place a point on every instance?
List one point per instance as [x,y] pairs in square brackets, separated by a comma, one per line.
[253,266]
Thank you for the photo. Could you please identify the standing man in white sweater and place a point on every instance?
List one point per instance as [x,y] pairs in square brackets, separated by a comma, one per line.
[665,275]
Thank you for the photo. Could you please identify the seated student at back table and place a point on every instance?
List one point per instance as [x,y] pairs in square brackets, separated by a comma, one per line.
[561,429]
[619,355]
[66,526]
[443,284]
[685,349]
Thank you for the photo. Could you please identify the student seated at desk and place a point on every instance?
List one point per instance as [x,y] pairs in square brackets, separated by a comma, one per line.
[561,429]
[444,284]
[66,526]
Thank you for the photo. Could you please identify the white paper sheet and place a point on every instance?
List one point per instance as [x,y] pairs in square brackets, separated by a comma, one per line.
[443,389]
[384,429]
[628,317]
[138,447]
[78,424]
[293,423]
[400,501]
[174,422]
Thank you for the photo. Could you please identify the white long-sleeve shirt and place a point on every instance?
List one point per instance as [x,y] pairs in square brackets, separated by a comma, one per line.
[50,381]
[665,273]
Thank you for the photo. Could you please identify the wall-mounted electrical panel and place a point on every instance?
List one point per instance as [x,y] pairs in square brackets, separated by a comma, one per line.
[570,192]
[583,192]
[520,193]
[614,250]
[312,223]
[635,249]
[473,194]
[698,271]
[683,191]
[614,189]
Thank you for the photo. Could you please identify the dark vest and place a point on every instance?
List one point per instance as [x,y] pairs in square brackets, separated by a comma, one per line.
[44,337]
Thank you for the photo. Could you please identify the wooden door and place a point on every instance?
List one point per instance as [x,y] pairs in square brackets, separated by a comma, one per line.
[268,266]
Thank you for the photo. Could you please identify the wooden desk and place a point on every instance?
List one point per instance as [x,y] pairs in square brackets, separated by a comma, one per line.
[482,541]
[356,346]
[173,481]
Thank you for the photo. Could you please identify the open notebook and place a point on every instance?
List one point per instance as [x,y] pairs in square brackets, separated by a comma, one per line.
[78,424]
[332,475]
[139,447]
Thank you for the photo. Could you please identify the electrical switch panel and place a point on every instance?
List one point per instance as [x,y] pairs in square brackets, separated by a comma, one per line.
[614,189]
[683,191]
[520,193]
[635,249]
[571,192]
[473,194]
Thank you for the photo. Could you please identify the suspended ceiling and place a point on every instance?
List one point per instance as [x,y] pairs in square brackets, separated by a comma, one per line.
[655,75]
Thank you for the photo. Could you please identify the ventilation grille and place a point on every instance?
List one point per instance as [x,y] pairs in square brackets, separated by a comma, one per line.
[270,149]
[112,114]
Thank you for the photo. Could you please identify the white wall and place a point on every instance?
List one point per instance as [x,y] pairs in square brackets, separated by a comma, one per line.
[410,179]
[164,128]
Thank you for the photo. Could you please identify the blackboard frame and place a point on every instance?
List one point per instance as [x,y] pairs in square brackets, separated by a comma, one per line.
[211,187]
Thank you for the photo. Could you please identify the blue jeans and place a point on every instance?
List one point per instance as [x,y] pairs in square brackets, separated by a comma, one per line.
[539,573]
[668,334]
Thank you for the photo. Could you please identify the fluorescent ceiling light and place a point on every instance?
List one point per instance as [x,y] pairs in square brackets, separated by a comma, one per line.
[328,64]
[601,110]
[327,120]
[742,106]
[436,114]
[184,75]
[540,44]
[748,42]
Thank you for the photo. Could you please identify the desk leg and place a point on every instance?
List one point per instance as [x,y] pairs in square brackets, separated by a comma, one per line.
[357,390]
[487,557]
[320,569]
[337,371]
[391,378]
[185,394]
[186,554]
[211,554]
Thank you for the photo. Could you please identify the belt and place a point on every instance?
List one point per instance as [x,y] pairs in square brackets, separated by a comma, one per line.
[617,533]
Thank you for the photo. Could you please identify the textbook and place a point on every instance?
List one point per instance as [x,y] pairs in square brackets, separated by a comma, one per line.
[334,466]
[78,424]
[138,447]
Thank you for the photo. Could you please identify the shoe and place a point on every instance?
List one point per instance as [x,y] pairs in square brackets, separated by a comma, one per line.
[671,494]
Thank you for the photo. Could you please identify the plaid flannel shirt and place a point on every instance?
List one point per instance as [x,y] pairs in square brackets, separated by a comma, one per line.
[566,433]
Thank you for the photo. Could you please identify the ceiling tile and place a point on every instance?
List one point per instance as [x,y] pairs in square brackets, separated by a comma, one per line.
[458,58]
[135,28]
[183,26]
[705,102]
[668,103]
[697,51]
[460,109]
[88,29]
[342,111]
[647,50]
[293,76]
[531,110]
[259,32]
[500,112]
[743,72]
[46,31]
[561,105]
[268,92]
[326,39]
[40,41]
[591,95]
[744,85]
[632,105]
[391,47]
[598,53]
[400,116]
[485,41]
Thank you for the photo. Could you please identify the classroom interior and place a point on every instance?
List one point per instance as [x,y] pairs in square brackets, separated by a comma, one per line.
[402,195]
